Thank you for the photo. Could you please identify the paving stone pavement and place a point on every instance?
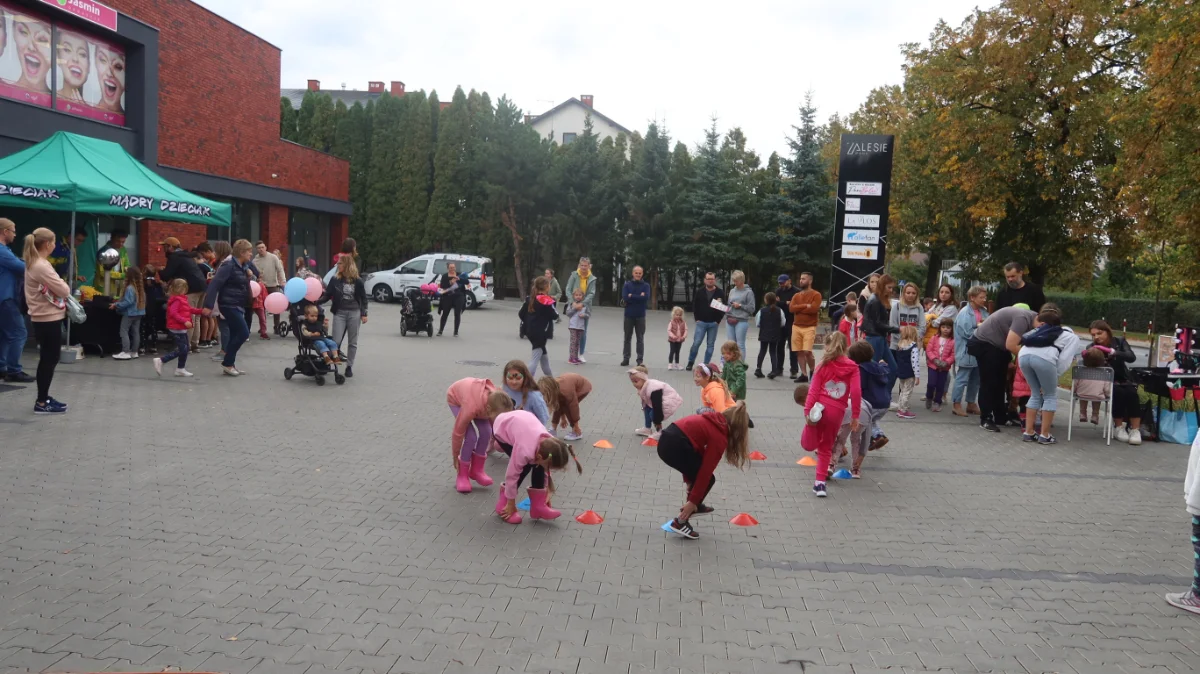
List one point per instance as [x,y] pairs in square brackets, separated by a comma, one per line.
[262,525]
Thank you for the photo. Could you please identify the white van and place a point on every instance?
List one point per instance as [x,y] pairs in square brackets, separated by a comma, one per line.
[391,283]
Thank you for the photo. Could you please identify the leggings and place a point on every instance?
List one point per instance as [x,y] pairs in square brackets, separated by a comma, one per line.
[131,333]
[447,305]
[49,338]
[673,355]
[479,436]
[181,350]
[1196,553]
[773,349]
[540,357]
[827,431]
[538,478]
[677,451]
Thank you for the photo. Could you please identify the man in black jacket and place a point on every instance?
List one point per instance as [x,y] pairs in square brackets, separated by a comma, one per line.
[785,292]
[181,264]
[707,318]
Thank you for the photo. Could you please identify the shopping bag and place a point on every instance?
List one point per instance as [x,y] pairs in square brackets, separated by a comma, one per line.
[1177,426]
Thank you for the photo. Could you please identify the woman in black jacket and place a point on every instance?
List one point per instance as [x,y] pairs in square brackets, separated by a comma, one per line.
[877,324]
[453,291]
[349,296]
[1125,404]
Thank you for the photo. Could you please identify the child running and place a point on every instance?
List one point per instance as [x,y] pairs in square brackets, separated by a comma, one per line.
[734,373]
[179,321]
[526,395]
[578,314]
[312,329]
[538,314]
[940,355]
[472,403]
[835,385]
[770,331]
[132,309]
[563,396]
[873,378]
[714,394]
[908,369]
[1190,600]
[676,334]
[659,401]
[694,446]
[531,451]
[1093,390]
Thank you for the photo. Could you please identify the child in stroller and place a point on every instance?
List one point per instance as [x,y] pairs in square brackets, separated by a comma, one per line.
[312,360]
[416,310]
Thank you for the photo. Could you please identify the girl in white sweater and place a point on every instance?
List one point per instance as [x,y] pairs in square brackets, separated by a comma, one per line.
[1190,600]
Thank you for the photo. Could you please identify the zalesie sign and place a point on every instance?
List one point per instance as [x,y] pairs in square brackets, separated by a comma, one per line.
[101,15]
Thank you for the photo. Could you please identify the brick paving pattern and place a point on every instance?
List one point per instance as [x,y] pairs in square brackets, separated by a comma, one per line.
[261,525]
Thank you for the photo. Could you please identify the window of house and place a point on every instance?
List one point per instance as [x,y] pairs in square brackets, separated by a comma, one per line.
[568,138]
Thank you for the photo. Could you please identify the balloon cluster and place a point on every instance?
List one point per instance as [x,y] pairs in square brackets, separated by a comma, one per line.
[294,290]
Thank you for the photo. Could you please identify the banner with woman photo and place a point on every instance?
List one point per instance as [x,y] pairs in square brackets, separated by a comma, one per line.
[25,55]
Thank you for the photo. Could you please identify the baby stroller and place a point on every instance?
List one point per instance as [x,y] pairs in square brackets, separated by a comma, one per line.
[416,311]
[308,360]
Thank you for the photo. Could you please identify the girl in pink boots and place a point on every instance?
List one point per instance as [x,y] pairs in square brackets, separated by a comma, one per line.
[470,403]
[532,451]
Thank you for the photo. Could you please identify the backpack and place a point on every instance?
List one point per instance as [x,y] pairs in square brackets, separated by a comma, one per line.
[1043,335]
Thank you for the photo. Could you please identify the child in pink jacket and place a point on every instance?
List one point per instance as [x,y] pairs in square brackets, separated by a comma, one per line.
[939,355]
[676,335]
[468,401]
[179,321]
[834,386]
[531,451]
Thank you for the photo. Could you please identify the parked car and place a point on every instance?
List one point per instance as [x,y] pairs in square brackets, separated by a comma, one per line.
[392,283]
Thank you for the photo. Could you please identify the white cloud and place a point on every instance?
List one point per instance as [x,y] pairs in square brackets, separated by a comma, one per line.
[747,62]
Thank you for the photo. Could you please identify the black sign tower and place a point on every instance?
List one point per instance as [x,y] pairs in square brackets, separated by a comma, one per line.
[860,227]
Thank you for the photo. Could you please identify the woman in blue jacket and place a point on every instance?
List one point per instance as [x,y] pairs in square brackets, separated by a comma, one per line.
[966,380]
[229,291]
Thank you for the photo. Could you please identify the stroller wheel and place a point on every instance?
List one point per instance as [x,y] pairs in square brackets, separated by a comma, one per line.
[282,329]
[403,329]
[288,372]
[320,380]
[339,379]
[429,329]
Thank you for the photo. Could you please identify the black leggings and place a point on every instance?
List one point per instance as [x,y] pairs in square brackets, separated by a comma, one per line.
[447,305]
[538,480]
[769,347]
[677,451]
[673,356]
[49,339]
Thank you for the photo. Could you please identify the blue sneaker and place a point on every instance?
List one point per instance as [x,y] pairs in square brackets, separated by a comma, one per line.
[47,408]
[56,403]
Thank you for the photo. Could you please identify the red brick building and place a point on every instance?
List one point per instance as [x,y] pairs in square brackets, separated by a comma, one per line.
[201,107]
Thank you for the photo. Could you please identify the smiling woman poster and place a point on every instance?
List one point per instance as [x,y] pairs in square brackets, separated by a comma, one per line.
[90,76]
[25,62]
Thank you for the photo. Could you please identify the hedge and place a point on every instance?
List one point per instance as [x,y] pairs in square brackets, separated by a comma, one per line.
[1080,310]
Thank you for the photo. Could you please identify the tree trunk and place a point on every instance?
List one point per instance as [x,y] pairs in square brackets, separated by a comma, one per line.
[654,288]
[933,274]
[509,218]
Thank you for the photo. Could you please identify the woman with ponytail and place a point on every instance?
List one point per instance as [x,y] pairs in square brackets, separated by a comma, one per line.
[694,446]
[45,294]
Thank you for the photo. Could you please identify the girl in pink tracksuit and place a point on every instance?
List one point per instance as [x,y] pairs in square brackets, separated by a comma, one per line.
[834,386]
[940,355]
[468,401]
[534,452]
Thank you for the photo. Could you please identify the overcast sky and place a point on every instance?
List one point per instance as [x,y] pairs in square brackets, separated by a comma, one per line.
[748,62]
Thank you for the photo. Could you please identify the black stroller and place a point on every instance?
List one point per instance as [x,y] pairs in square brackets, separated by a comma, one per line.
[308,360]
[416,312]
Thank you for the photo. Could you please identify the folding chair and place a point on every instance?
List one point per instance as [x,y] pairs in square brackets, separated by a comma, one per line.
[1104,374]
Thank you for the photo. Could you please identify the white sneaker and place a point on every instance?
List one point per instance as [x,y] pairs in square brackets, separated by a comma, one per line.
[240,370]
[582,359]
[893,407]
[644,432]
[1122,434]
[655,436]
[158,366]
[231,371]
[180,372]
[121,356]
[1135,437]
[135,354]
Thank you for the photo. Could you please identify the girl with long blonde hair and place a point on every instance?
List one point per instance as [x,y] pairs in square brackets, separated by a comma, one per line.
[132,309]
[45,294]
[694,446]
[349,296]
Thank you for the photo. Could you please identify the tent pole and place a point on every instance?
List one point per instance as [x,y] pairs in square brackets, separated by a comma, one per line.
[71,273]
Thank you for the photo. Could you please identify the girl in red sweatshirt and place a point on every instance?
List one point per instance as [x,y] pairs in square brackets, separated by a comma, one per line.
[179,321]
[694,446]
[834,387]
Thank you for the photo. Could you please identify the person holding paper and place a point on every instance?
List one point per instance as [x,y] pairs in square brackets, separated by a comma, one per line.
[708,309]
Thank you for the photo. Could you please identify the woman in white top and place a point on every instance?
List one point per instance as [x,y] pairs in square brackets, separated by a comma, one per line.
[1042,366]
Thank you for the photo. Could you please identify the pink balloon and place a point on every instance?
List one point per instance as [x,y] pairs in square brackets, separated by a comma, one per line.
[314,289]
[255,289]
[276,303]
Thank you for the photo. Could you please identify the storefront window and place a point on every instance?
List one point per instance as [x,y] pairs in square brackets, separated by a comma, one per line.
[309,239]
[246,222]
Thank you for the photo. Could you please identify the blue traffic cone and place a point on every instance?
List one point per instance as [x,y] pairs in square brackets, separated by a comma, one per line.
[843,474]
[523,505]
[667,527]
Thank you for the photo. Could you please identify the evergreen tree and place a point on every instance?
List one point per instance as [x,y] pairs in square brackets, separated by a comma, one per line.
[288,120]
[449,199]
[712,208]
[649,203]
[416,173]
[800,208]
[353,143]
[378,242]
[304,117]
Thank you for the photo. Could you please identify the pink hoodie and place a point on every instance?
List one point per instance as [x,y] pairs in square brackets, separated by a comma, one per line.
[470,395]
[524,432]
[836,385]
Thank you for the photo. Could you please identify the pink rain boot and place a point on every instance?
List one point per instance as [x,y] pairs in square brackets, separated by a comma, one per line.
[538,509]
[463,483]
[501,502]
[477,472]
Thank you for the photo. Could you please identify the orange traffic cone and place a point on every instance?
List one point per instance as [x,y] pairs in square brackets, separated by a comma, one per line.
[650,442]
[589,517]
[758,456]
[807,461]
[744,520]
[603,444]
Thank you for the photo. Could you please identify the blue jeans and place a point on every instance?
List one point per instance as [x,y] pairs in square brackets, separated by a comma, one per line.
[12,337]
[703,329]
[1042,376]
[882,352]
[648,413]
[324,345]
[239,332]
[966,380]
[737,333]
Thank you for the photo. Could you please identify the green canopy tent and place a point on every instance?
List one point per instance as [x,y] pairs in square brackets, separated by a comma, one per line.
[69,172]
